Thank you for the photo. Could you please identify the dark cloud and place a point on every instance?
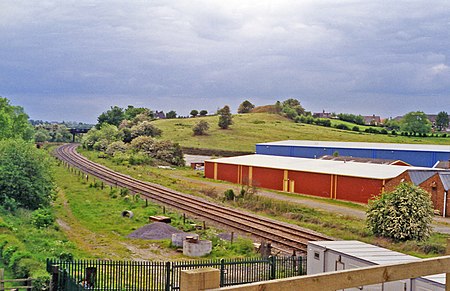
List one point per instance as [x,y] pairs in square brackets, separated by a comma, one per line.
[74,59]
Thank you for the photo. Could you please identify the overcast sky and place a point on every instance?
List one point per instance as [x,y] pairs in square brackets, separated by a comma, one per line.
[72,60]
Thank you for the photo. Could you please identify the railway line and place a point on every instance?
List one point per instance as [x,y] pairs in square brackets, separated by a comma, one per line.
[283,236]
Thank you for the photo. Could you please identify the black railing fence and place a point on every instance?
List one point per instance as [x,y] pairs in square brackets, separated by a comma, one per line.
[141,275]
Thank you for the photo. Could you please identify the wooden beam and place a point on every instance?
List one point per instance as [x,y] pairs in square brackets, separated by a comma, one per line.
[353,278]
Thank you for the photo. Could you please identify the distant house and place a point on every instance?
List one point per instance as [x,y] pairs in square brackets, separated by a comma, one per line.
[160,114]
[431,118]
[322,114]
[372,120]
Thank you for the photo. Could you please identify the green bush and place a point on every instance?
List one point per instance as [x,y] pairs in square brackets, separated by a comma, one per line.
[403,214]
[42,218]
[229,194]
[342,126]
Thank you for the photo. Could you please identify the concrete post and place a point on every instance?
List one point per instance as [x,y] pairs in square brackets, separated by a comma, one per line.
[199,279]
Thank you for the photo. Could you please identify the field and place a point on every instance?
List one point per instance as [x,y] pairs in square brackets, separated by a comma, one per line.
[251,128]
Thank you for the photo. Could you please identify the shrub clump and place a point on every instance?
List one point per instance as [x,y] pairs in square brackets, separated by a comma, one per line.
[403,214]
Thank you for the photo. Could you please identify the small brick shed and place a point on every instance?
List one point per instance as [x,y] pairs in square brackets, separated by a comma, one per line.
[351,181]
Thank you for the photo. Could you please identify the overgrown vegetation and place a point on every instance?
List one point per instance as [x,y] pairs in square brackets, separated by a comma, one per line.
[133,140]
[403,214]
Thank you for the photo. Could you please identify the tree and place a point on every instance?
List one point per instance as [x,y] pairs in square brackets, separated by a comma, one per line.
[442,121]
[416,122]
[225,117]
[203,112]
[171,114]
[403,214]
[131,112]
[245,107]
[113,116]
[194,112]
[14,122]
[25,175]
[145,128]
[294,104]
[200,128]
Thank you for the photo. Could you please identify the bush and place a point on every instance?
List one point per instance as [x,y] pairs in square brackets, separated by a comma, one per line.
[403,214]
[42,218]
[355,128]
[229,195]
[342,126]
[201,128]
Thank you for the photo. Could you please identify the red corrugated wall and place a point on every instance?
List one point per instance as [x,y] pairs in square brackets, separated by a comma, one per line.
[209,170]
[357,189]
[311,183]
[227,172]
[323,185]
[268,178]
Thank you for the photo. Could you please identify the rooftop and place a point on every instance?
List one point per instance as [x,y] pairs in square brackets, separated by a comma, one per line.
[341,168]
[361,145]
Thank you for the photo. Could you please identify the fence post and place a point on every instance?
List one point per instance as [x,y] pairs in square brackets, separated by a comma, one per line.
[2,277]
[30,283]
[222,272]
[199,279]
[54,280]
[168,269]
[273,270]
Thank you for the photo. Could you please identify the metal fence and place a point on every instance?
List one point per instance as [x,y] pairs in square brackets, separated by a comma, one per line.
[139,275]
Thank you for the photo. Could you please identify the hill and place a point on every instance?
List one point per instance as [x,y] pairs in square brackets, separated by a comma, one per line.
[251,128]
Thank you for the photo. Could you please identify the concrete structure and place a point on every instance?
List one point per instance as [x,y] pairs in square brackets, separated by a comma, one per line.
[327,256]
[196,247]
[344,180]
[414,154]
[179,238]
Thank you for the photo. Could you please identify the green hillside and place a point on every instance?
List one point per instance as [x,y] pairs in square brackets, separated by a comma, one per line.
[251,128]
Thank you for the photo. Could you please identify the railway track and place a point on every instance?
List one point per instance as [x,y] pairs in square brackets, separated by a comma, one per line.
[283,236]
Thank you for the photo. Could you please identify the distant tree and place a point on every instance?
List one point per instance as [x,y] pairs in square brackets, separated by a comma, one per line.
[225,117]
[171,114]
[415,122]
[41,135]
[294,104]
[203,112]
[245,107]
[25,175]
[99,139]
[113,116]
[403,214]
[145,128]
[442,121]
[392,124]
[358,119]
[131,112]
[200,128]
[194,112]
[14,122]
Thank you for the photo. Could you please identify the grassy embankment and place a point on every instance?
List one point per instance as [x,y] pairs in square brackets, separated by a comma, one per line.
[249,129]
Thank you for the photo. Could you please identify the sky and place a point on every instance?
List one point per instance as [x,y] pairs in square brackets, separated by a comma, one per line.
[72,60]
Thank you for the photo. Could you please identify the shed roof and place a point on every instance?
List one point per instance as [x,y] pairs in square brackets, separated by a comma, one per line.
[372,254]
[445,178]
[342,168]
[418,176]
[361,145]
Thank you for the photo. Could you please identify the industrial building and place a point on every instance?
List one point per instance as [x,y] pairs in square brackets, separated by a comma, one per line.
[413,154]
[329,256]
[343,180]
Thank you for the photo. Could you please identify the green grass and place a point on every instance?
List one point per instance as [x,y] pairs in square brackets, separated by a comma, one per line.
[251,128]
